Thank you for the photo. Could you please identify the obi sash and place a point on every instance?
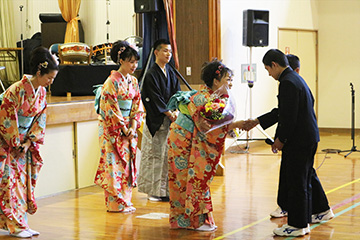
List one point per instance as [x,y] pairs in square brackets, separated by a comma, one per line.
[1,97]
[24,124]
[125,107]
[179,101]
[97,92]
[185,122]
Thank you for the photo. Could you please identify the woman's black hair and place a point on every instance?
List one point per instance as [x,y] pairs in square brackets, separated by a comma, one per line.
[214,69]
[42,60]
[122,50]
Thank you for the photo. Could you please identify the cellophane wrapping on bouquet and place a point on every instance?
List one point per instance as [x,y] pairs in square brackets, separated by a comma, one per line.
[220,110]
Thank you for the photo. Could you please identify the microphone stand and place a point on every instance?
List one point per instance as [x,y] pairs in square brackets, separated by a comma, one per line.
[21,42]
[107,20]
[353,148]
[107,29]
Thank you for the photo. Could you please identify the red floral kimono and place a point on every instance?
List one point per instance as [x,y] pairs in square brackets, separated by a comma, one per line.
[120,102]
[22,115]
[193,159]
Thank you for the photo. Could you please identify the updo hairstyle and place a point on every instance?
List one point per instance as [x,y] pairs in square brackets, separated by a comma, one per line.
[122,50]
[42,60]
[214,69]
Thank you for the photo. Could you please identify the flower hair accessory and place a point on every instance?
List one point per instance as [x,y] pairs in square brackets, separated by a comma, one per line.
[218,71]
[121,50]
[133,46]
[43,65]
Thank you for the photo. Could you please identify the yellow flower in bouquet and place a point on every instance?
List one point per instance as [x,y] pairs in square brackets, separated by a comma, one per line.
[213,109]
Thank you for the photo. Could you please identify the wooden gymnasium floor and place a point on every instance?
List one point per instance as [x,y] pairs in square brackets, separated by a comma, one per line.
[242,201]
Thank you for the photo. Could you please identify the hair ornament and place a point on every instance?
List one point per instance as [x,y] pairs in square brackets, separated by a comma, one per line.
[121,50]
[43,65]
[133,46]
[218,71]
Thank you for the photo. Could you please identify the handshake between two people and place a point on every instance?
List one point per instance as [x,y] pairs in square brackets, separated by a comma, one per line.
[249,124]
[246,125]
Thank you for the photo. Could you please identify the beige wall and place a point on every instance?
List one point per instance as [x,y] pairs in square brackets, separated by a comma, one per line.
[92,15]
[282,14]
[339,52]
[336,22]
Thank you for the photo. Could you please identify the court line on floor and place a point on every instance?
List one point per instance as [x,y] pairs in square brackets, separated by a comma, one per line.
[261,220]
[336,215]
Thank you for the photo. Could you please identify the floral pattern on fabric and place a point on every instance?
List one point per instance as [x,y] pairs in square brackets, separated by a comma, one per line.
[117,172]
[193,159]
[18,176]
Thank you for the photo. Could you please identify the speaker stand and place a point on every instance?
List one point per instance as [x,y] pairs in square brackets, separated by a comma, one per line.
[249,133]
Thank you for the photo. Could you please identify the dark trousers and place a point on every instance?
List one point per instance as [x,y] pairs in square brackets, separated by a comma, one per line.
[300,192]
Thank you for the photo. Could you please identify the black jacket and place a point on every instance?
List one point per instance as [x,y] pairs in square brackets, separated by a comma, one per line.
[295,112]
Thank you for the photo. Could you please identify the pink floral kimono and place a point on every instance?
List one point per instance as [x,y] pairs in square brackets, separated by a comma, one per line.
[120,102]
[193,159]
[22,115]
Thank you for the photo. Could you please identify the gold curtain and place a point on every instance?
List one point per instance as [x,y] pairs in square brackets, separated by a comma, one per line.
[69,11]
[169,9]
[8,40]
[214,29]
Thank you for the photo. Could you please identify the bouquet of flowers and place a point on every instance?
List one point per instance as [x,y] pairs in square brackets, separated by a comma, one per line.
[213,109]
[218,111]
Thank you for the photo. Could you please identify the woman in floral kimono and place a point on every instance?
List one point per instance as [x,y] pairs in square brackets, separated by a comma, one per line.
[22,129]
[193,154]
[120,115]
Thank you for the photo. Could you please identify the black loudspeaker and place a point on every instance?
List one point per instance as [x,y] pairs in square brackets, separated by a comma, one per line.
[255,28]
[145,6]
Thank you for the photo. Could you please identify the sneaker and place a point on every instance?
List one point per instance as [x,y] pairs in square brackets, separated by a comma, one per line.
[289,231]
[278,213]
[22,234]
[324,216]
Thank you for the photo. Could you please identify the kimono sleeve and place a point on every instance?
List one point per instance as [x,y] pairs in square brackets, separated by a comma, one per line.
[109,107]
[152,90]
[37,130]
[194,107]
[8,118]
[137,108]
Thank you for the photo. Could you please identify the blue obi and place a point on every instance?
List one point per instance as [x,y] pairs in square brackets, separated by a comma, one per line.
[185,122]
[97,92]
[24,124]
[125,107]
[1,97]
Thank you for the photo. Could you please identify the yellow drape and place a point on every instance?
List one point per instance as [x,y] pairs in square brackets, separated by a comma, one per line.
[69,11]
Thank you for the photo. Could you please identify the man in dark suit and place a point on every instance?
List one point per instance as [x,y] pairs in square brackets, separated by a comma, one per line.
[318,194]
[159,85]
[297,136]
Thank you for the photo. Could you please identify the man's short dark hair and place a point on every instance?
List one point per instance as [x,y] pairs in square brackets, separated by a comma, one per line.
[158,43]
[294,61]
[275,55]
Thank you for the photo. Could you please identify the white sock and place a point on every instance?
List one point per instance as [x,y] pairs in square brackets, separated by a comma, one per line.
[33,232]
[22,234]
[205,227]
